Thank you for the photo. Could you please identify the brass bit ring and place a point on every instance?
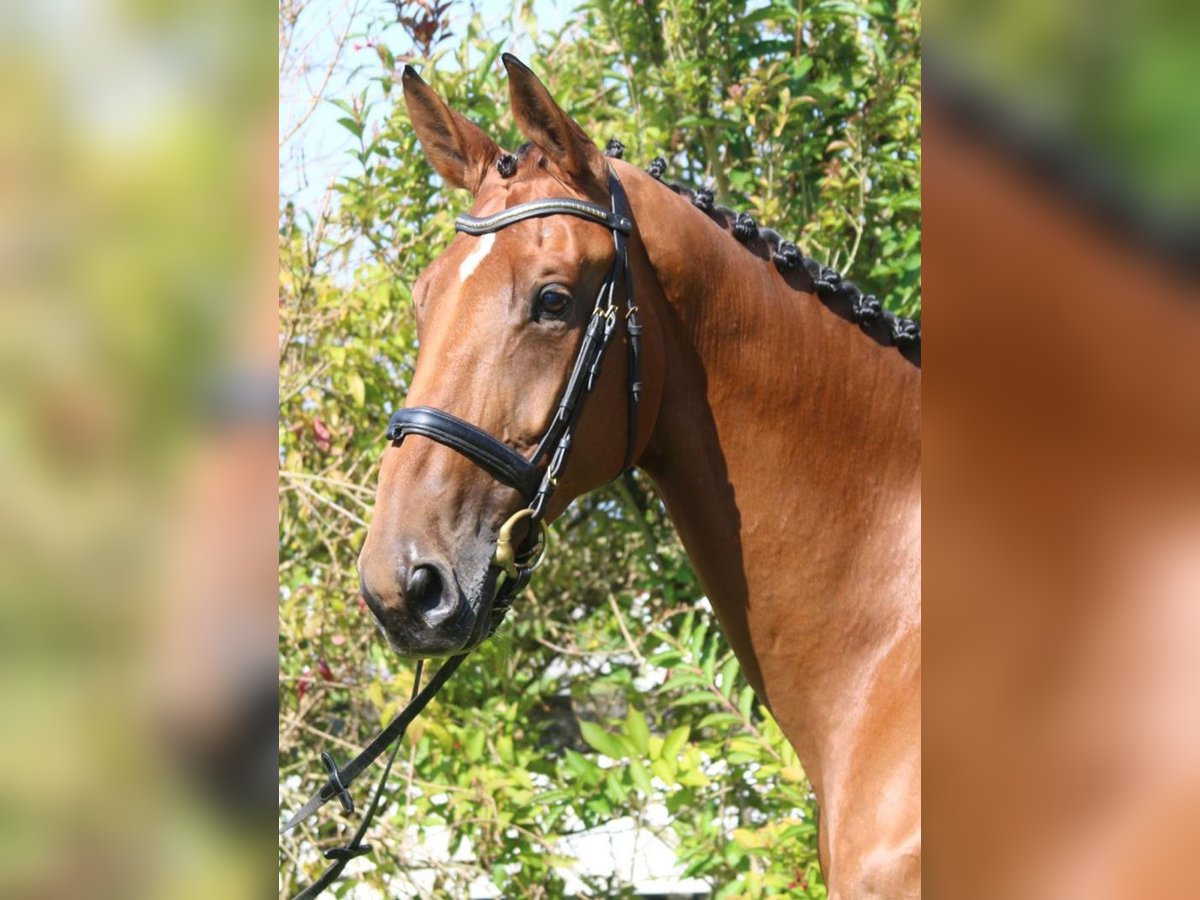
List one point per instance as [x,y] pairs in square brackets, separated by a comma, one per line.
[505,556]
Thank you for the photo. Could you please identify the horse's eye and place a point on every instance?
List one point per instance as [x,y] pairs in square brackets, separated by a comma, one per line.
[553,301]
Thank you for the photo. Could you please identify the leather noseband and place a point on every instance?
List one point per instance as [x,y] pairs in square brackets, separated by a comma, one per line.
[504,463]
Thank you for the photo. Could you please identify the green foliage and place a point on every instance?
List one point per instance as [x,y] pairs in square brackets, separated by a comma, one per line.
[608,693]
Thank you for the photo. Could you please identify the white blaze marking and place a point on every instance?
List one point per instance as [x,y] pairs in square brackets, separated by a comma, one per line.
[475,257]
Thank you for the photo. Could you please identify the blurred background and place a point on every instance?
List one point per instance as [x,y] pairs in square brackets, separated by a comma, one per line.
[137,449]
[1061,450]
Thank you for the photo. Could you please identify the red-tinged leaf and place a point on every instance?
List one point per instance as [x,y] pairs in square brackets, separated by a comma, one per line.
[322,435]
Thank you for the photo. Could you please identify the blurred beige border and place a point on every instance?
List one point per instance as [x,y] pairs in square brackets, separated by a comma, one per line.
[137,440]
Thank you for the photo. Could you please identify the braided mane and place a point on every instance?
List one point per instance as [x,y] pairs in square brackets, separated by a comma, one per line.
[833,290]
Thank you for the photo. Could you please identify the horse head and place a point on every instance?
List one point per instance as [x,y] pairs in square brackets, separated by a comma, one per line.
[505,317]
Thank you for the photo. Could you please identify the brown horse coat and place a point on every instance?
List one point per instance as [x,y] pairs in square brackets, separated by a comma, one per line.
[784,441]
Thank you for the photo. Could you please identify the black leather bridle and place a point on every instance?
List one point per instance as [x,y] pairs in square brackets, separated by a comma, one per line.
[493,455]
[512,567]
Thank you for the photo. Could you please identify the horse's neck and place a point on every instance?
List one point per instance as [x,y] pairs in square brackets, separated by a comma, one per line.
[787,452]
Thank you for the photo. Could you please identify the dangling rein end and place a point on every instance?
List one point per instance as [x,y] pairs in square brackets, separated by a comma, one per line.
[505,556]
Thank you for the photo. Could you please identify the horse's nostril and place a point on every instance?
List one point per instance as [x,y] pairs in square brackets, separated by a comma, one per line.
[425,591]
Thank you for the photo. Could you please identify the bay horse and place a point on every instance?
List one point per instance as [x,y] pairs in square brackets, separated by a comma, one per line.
[781,431]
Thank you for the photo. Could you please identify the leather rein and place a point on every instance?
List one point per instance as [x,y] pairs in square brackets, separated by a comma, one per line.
[512,565]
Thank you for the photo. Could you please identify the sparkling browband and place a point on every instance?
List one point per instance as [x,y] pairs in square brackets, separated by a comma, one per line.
[554,207]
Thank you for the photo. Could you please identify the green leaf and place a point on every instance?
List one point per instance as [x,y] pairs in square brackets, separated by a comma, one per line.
[351,125]
[801,66]
[693,698]
[683,679]
[746,702]
[675,741]
[638,731]
[358,389]
[473,746]
[709,663]
[765,48]
[729,673]
[640,777]
[580,765]
[749,839]
[601,741]
[685,628]
[664,769]
[614,790]
[666,658]
[504,748]
[792,773]
[771,12]
[723,719]
[656,747]
[375,695]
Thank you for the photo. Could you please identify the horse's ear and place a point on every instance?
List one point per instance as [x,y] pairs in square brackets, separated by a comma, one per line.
[543,122]
[456,147]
